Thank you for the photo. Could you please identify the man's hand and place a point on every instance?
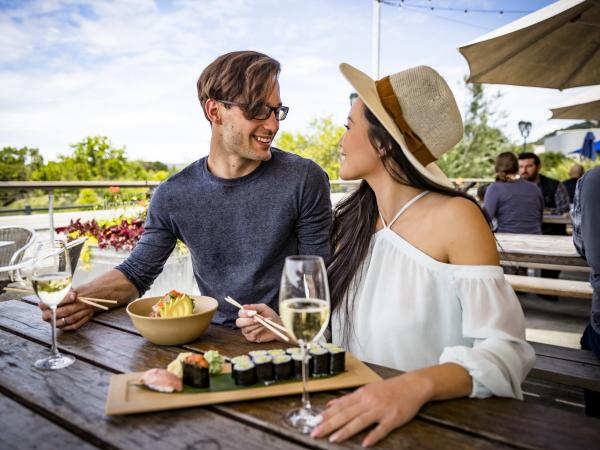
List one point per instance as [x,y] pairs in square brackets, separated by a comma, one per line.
[70,314]
[251,329]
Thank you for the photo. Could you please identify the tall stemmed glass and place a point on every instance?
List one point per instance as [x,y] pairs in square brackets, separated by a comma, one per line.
[51,278]
[304,309]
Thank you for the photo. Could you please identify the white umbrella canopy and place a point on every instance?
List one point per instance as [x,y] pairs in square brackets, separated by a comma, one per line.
[555,47]
[585,106]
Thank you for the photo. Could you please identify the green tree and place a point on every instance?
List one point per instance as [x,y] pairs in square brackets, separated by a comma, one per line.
[474,156]
[320,143]
[18,164]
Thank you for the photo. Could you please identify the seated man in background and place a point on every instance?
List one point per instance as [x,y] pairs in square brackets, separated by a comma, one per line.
[586,237]
[240,210]
[575,173]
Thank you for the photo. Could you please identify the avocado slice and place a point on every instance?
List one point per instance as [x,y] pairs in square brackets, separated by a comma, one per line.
[179,307]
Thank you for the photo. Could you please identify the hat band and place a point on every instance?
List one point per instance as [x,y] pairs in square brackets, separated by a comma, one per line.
[390,102]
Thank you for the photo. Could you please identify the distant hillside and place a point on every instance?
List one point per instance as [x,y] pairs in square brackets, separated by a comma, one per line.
[576,126]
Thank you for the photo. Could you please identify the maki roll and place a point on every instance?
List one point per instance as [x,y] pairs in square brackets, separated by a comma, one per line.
[195,371]
[244,373]
[282,367]
[337,360]
[276,352]
[293,351]
[264,368]
[297,366]
[238,359]
[320,358]
[253,354]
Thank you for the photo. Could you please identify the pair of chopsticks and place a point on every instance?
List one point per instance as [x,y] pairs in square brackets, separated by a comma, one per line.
[95,302]
[264,321]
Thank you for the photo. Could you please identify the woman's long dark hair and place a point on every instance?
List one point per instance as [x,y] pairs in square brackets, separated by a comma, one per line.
[354,219]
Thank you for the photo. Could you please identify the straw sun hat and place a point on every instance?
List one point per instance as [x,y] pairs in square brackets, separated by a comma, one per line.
[418,109]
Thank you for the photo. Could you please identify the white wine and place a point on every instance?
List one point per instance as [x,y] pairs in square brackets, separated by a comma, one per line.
[51,288]
[304,318]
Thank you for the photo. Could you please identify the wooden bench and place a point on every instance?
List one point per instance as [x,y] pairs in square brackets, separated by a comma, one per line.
[550,286]
[569,366]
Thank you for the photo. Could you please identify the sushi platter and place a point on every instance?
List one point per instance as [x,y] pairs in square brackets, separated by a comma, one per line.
[238,380]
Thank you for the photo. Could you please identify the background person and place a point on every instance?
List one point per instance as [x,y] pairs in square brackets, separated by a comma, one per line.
[586,237]
[575,173]
[415,278]
[515,203]
[240,210]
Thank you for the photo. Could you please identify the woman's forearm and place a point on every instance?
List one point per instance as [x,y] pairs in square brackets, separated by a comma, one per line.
[442,382]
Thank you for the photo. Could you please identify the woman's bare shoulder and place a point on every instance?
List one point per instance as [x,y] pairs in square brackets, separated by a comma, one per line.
[469,238]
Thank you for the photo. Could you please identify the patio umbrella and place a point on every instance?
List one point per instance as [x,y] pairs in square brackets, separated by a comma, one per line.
[585,107]
[555,47]
[589,148]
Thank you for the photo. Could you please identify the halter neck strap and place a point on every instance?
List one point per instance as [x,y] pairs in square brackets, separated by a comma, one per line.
[407,205]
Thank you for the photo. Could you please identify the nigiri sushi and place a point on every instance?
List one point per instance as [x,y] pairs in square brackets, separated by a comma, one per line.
[161,380]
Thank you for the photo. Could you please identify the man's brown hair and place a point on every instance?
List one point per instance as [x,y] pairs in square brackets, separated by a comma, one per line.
[244,77]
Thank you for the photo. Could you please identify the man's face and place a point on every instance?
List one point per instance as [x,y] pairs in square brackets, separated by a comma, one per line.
[528,170]
[250,139]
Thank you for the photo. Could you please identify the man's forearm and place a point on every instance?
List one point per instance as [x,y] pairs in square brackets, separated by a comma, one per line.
[113,285]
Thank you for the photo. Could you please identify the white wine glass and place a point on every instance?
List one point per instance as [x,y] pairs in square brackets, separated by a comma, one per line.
[304,309]
[51,278]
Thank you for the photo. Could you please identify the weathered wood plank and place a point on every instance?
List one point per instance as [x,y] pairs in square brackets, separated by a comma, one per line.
[24,429]
[570,354]
[95,342]
[75,397]
[572,373]
[549,286]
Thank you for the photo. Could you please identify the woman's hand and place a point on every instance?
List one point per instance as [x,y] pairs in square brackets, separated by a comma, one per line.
[388,403]
[251,329]
[70,314]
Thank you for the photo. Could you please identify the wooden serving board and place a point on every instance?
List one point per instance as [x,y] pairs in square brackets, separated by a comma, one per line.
[125,396]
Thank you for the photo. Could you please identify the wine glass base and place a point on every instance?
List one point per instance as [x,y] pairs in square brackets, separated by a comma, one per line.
[303,420]
[54,362]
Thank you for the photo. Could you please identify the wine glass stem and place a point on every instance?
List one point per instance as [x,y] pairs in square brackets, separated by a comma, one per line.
[305,400]
[54,350]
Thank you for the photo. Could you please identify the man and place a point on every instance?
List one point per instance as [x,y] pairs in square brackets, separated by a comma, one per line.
[556,199]
[575,173]
[586,223]
[241,210]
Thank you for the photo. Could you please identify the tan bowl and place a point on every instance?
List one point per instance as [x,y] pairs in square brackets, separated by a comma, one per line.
[171,330]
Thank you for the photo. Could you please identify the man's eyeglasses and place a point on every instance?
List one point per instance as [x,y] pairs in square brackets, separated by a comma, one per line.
[262,112]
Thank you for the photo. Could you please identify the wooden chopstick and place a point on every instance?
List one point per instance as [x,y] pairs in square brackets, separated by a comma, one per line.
[267,322]
[87,300]
[270,326]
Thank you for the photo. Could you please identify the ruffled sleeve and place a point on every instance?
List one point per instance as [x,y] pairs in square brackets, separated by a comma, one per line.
[500,357]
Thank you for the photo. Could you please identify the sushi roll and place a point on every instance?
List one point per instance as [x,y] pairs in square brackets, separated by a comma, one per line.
[330,345]
[282,367]
[276,352]
[264,368]
[320,358]
[337,360]
[293,351]
[253,354]
[161,380]
[297,366]
[244,373]
[195,371]
[238,359]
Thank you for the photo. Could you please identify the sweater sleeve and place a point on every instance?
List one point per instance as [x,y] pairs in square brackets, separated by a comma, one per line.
[500,357]
[490,201]
[314,221]
[147,259]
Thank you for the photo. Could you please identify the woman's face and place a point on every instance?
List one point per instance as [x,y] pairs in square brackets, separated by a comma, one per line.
[358,157]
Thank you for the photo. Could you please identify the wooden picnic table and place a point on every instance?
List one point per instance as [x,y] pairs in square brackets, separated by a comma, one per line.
[540,251]
[561,219]
[65,409]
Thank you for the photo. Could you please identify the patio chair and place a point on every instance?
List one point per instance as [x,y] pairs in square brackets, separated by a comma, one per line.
[12,254]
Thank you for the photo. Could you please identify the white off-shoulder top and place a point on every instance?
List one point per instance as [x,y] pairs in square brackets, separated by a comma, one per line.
[412,311]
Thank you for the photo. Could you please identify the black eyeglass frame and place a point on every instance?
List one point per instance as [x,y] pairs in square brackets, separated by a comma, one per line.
[278,110]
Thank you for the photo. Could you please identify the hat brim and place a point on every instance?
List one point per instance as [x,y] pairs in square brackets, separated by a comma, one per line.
[366,90]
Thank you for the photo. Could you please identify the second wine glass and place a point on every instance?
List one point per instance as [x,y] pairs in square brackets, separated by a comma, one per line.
[304,309]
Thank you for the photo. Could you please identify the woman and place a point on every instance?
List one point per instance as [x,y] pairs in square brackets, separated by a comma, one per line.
[415,278]
[515,203]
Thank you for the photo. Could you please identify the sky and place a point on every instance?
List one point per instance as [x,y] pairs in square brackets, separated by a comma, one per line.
[127,69]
